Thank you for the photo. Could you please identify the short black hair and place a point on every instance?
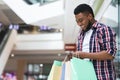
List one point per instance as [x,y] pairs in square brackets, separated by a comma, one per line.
[83,8]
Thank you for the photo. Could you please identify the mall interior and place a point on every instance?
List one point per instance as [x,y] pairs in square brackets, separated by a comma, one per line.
[34,33]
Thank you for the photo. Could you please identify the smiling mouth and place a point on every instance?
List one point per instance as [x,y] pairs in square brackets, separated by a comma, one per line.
[83,27]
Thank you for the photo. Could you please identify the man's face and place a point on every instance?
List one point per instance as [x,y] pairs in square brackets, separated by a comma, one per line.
[83,20]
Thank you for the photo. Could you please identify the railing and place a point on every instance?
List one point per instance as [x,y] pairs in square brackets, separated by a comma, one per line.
[6,47]
[41,2]
[4,35]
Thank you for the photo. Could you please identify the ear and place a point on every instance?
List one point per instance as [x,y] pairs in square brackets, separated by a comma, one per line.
[90,16]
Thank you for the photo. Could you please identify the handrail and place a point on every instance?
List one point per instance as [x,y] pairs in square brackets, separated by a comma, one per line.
[4,40]
[3,32]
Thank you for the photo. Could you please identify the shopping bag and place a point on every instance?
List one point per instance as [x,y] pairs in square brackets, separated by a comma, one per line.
[63,71]
[67,71]
[55,73]
[82,69]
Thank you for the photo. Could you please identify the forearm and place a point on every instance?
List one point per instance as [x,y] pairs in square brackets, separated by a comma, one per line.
[103,55]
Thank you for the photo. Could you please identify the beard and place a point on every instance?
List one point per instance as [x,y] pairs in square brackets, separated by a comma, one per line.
[88,27]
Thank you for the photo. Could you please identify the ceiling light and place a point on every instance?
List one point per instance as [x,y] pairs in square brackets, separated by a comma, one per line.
[12,55]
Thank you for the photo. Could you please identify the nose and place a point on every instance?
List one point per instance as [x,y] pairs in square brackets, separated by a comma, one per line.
[79,23]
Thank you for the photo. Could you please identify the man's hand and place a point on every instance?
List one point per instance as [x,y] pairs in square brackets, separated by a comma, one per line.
[70,55]
[79,54]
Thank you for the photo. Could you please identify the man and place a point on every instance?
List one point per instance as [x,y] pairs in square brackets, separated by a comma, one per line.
[96,42]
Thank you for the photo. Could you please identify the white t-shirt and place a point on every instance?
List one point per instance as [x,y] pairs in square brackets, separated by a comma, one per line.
[86,42]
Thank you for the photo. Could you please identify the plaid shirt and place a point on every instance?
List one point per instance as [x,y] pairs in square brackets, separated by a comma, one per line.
[102,38]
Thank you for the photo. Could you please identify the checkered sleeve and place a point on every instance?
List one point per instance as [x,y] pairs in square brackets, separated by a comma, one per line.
[108,40]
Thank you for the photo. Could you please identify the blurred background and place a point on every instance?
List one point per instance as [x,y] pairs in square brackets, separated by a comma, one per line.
[34,33]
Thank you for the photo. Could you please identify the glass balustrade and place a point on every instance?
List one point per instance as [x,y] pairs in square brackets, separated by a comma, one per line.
[41,2]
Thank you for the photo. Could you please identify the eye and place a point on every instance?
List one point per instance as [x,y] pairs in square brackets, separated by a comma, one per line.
[79,20]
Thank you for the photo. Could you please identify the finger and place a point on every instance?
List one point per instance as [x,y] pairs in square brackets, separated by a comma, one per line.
[74,54]
[70,56]
[77,55]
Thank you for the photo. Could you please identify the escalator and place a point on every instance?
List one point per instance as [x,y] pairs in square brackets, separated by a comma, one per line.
[7,41]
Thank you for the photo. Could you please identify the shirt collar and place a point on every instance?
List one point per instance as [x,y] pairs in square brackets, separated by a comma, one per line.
[94,26]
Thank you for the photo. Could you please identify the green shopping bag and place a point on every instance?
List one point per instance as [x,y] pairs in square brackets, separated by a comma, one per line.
[55,73]
[82,69]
